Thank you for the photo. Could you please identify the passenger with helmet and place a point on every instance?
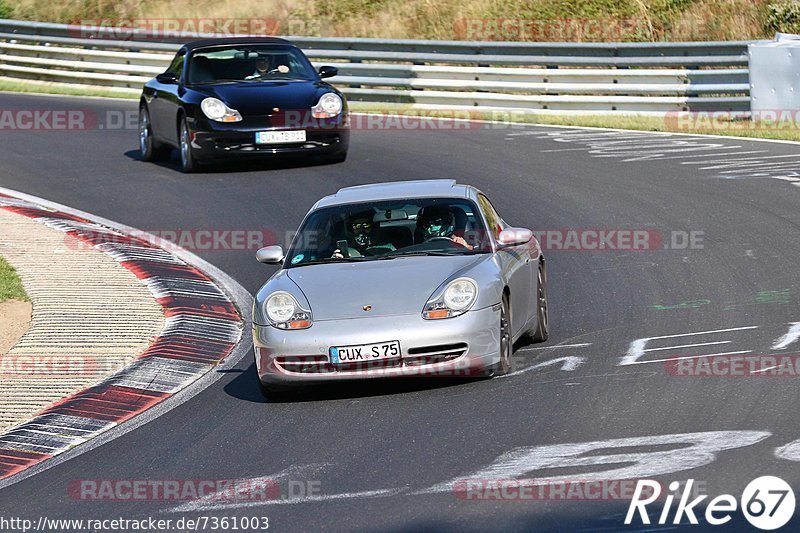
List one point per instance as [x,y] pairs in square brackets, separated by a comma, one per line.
[439,222]
[363,237]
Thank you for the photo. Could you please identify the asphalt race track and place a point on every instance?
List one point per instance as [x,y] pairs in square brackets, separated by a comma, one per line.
[379,456]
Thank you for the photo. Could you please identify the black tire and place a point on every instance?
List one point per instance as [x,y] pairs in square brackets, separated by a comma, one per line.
[149,149]
[189,162]
[275,392]
[506,344]
[335,158]
[506,340]
[542,331]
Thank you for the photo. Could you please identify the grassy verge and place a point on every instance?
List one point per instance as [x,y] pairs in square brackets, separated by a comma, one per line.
[17,86]
[738,128]
[10,284]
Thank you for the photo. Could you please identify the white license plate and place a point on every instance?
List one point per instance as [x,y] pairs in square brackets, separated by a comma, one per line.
[280,137]
[364,353]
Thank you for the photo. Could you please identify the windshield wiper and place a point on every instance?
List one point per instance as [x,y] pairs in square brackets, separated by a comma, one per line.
[324,260]
[436,253]
[220,80]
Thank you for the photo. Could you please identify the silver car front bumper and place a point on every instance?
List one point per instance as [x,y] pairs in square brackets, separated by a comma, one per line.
[457,347]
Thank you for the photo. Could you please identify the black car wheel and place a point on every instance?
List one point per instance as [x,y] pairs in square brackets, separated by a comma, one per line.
[542,310]
[149,148]
[275,392]
[339,157]
[188,161]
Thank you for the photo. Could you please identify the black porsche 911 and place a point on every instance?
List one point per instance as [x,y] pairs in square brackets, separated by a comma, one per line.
[235,98]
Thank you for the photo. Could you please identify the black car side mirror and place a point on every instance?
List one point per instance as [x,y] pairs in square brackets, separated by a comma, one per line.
[328,72]
[167,78]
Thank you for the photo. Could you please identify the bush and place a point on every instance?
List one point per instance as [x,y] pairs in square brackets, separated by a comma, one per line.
[784,16]
[5,10]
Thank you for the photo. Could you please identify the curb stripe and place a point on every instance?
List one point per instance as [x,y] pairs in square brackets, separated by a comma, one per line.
[202,327]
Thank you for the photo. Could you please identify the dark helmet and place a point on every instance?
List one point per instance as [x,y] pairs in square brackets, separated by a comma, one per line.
[436,221]
[361,225]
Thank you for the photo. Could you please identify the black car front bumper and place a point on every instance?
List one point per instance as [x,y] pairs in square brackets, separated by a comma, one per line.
[213,140]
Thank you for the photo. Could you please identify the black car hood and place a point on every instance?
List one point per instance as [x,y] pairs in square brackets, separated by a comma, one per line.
[261,97]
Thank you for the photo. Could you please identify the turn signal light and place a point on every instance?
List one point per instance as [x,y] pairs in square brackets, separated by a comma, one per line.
[300,324]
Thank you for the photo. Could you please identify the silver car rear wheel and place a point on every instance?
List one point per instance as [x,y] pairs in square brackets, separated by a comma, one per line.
[542,331]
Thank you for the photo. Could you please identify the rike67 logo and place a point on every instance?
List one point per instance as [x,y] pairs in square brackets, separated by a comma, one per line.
[767,503]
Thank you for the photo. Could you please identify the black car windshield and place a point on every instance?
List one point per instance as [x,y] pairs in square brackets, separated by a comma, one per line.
[389,230]
[249,63]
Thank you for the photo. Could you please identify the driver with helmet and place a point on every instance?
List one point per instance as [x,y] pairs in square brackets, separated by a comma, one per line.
[439,222]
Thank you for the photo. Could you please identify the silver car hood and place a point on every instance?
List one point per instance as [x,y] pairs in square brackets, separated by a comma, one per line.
[398,286]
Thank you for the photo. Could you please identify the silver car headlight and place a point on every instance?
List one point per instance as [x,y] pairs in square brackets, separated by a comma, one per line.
[329,106]
[454,300]
[215,109]
[284,312]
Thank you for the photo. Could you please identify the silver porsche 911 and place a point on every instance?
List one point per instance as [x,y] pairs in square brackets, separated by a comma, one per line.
[412,278]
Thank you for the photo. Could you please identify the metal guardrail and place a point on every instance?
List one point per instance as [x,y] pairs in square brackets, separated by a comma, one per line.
[573,77]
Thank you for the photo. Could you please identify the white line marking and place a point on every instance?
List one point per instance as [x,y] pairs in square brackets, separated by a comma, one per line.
[688,357]
[571,363]
[217,506]
[214,500]
[636,350]
[764,369]
[578,345]
[686,346]
[702,332]
[623,458]
[788,338]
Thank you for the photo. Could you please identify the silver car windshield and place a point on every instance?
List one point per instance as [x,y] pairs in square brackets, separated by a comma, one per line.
[388,230]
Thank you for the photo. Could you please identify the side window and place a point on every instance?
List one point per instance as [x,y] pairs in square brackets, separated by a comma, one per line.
[176,67]
[493,220]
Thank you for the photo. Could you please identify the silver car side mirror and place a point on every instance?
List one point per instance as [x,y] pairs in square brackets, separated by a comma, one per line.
[514,236]
[271,255]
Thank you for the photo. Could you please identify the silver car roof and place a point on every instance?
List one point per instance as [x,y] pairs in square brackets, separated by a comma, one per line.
[398,190]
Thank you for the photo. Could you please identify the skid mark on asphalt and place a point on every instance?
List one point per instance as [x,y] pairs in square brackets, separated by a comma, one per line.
[263,490]
[722,160]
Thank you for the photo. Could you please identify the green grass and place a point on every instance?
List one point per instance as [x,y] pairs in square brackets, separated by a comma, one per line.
[10,284]
[20,86]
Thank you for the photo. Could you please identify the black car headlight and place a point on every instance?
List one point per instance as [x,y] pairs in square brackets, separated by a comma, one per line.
[215,109]
[329,106]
